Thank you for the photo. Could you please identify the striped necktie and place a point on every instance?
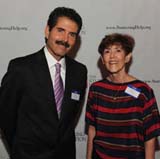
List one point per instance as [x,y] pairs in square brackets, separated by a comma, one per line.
[58,88]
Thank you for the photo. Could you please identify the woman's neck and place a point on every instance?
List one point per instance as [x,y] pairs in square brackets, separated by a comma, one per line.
[120,78]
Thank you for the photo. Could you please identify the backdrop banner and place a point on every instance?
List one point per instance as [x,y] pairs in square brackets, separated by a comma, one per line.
[22,24]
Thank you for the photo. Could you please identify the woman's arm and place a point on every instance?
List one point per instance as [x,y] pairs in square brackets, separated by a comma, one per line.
[150,149]
[91,135]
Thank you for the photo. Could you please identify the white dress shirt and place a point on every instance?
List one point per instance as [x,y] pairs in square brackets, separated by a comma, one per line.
[51,65]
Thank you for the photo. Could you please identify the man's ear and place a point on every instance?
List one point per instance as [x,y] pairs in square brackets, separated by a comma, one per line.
[46,31]
[128,58]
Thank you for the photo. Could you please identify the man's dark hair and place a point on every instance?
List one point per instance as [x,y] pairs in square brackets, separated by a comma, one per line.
[126,41]
[64,12]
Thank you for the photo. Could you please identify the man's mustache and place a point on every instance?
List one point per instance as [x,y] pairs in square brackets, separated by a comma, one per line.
[62,43]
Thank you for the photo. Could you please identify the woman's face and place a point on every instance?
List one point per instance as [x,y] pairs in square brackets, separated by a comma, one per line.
[114,58]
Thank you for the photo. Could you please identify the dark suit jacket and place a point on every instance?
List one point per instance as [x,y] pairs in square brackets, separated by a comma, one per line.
[28,115]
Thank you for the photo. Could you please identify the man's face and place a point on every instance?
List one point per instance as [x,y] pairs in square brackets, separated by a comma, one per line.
[62,37]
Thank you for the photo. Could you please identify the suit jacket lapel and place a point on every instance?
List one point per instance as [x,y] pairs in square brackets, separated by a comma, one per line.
[44,79]
[68,86]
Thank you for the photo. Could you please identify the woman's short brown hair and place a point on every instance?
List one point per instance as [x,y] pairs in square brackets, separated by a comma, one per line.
[126,41]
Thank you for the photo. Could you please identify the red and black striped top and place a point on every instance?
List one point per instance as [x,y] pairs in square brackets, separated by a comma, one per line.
[123,122]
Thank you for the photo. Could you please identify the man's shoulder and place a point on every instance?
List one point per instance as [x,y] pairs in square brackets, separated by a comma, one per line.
[74,62]
[30,58]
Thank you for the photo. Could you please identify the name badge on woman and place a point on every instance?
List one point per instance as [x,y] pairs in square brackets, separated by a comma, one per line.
[132,91]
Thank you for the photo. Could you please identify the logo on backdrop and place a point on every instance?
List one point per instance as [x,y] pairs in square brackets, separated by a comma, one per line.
[13,28]
[80,137]
[132,27]
[83,30]
[153,81]
[92,79]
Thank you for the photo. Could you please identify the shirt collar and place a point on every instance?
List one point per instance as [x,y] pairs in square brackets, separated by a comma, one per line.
[52,61]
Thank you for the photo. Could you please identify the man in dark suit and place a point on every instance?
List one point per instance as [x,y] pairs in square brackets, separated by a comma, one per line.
[29,119]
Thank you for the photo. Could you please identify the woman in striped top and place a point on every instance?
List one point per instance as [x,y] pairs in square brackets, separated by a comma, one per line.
[122,113]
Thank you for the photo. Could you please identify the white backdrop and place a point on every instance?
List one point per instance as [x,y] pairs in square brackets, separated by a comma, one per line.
[22,25]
